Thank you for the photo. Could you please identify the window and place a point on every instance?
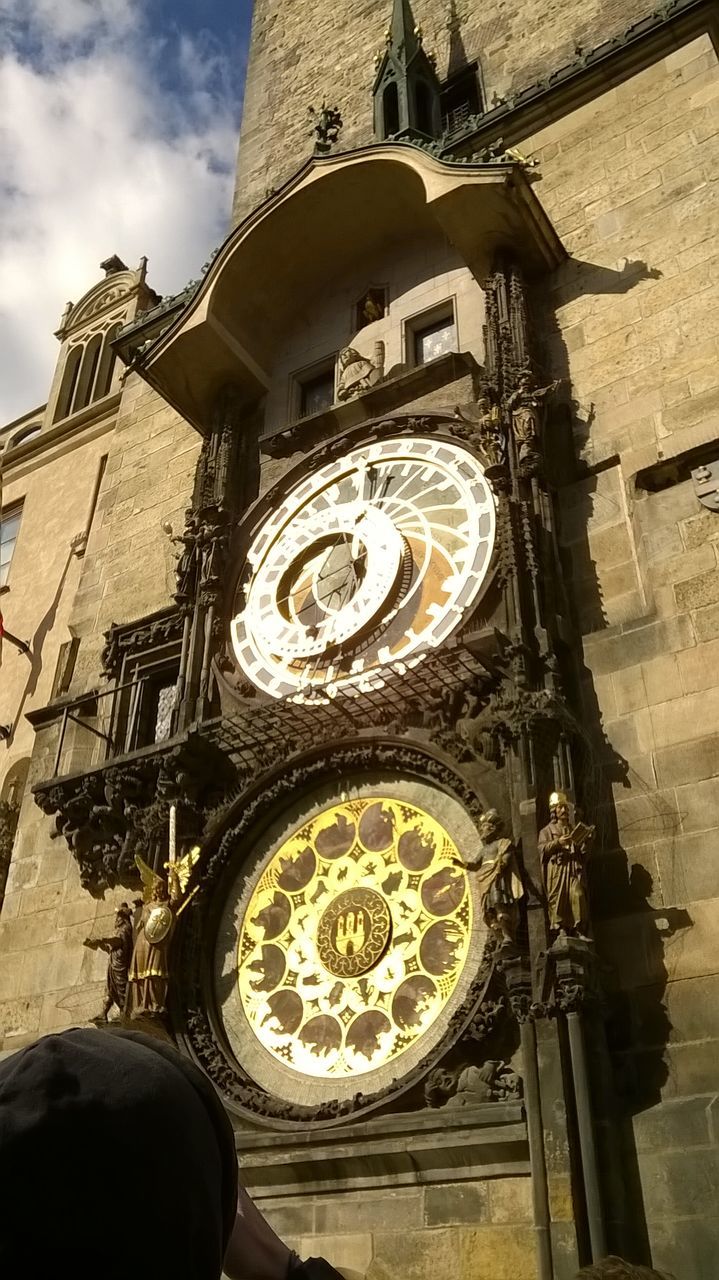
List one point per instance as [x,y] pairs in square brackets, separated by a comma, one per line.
[315,389]
[107,364]
[25,434]
[9,526]
[88,373]
[144,711]
[390,111]
[69,383]
[371,306]
[65,669]
[460,99]
[431,335]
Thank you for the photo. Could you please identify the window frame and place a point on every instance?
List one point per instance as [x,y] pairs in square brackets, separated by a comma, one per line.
[423,321]
[8,513]
[302,378]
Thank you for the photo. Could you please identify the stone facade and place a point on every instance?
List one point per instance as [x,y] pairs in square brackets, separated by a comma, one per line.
[628,173]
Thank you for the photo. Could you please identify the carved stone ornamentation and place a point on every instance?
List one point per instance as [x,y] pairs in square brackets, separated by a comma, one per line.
[356,374]
[526,406]
[326,128]
[132,640]
[480,426]
[469,1086]
[110,814]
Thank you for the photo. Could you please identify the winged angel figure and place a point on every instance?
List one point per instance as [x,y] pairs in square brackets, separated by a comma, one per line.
[163,900]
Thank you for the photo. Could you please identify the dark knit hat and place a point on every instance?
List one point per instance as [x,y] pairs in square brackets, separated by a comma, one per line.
[116,1156]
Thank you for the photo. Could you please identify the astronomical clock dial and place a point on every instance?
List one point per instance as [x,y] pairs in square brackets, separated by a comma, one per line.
[367,563]
[354,944]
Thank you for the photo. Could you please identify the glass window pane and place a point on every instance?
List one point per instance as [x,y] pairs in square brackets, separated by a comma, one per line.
[9,525]
[317,393]
[435,340]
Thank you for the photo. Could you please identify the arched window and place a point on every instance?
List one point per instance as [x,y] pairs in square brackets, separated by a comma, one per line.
[390,110]
[423,108]
[103,382]
[88,369]
[25,434]
[69,383]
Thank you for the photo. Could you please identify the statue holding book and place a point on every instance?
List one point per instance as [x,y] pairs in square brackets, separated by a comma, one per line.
[563,848]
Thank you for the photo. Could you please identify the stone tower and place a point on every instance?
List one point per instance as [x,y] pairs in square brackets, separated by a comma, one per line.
[397,599]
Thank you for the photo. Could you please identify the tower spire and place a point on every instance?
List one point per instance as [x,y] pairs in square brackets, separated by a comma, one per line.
[405,36]
[406,89]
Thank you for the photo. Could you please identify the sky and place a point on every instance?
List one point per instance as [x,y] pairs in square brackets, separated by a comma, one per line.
[118,135]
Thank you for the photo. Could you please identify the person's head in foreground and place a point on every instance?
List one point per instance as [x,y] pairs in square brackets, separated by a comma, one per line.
[117,1158]
[615,1269]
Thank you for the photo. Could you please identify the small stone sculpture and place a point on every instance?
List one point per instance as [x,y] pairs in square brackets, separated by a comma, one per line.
[497,873]
[357,374]
[481,427]
[526,406]
[469,1086]
[119,953]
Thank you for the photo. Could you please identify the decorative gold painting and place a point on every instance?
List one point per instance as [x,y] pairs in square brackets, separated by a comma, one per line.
[354,939]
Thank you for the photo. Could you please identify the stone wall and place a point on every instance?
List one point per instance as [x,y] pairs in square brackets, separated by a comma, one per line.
[48,979]
[468,1230]
[632,183]
[295,60]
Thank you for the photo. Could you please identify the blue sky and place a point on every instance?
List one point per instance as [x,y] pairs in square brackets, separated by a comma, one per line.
[120,124]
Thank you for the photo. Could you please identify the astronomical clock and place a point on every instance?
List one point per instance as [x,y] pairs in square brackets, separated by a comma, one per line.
[349,932]
[367,564]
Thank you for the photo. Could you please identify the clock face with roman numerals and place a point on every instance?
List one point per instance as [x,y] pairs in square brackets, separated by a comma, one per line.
[367,564]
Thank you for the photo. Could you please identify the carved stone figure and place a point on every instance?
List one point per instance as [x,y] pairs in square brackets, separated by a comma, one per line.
[356,374]
[149,974]
[482,428]
[497,873]
[563,848]
[469,1086]
[326,127]
[119,953]
[526,406]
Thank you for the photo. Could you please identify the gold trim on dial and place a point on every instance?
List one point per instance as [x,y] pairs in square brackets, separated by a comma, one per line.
[354,938]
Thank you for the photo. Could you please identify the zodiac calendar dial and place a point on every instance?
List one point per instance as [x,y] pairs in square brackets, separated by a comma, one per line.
[354,938]
[368,562]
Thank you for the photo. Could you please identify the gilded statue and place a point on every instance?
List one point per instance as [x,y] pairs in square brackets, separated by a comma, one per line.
[119,954]
[357,374]
[500,884]
[482,428]
[163,900]
[563,848]
[526,406]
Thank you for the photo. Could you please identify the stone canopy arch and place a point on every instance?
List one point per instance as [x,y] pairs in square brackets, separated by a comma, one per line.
[337,211]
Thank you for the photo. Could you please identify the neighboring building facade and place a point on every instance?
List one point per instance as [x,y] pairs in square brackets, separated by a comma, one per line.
[404,512]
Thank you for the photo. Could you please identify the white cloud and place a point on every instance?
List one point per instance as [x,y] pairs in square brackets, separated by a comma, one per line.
[115,139]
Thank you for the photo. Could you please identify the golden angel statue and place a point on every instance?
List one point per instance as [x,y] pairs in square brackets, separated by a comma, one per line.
[163,900]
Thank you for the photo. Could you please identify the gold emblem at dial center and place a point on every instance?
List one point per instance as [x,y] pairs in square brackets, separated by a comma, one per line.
[353,933]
